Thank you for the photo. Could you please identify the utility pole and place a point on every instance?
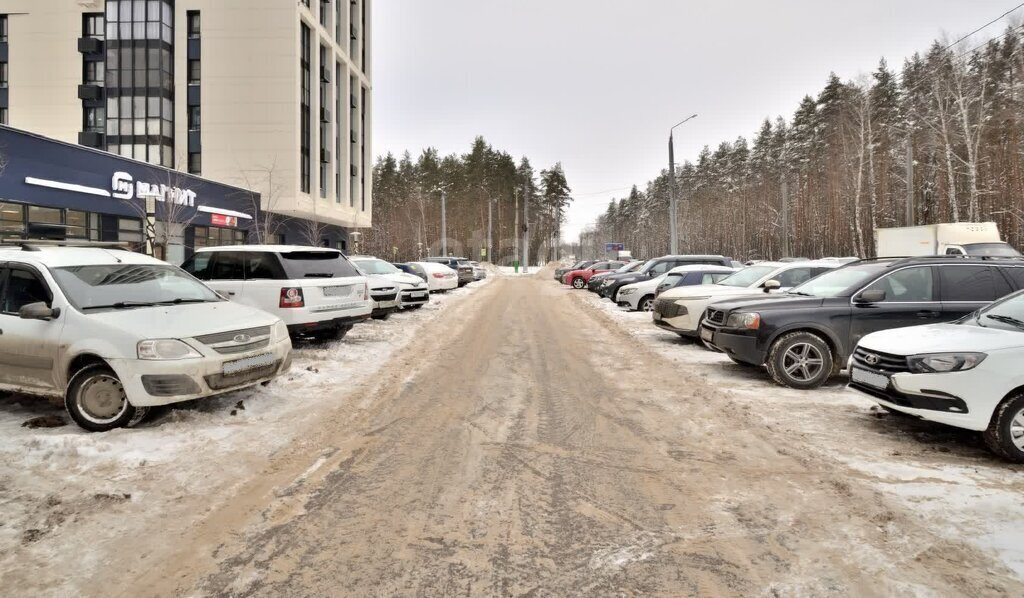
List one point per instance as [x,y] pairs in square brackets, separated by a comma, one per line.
[785,217]
[673,207]
[490,209]
[910,181]
[444,226]
[526,229]
[515,230]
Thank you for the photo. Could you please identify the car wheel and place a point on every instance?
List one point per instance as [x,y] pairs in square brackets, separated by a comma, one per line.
[1005,433]
[801,360]
[646,304]
[96,401]
[578,283]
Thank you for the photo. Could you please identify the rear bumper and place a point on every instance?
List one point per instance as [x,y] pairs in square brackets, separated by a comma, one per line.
[312,327]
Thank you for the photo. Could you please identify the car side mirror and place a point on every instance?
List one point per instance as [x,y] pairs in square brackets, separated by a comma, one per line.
[872,296]
[771,285]
[38,311]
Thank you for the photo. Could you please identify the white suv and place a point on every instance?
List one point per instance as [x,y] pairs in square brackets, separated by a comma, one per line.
[115,332]
[414,290]
[965,374]
[316,291]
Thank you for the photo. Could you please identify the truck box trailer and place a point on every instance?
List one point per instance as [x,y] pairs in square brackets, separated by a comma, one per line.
[959,238]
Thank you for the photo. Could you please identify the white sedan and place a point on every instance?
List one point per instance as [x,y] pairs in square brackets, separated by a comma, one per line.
[640,296]
[440,278]
[965,374]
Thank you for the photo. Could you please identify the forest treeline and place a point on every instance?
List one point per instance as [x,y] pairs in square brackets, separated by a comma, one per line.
[407,204]
[954,113]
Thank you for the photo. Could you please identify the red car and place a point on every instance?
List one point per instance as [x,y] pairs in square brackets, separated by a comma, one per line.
[578,279]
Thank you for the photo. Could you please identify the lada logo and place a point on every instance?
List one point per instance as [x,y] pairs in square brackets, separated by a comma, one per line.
[242,338]
[871,359]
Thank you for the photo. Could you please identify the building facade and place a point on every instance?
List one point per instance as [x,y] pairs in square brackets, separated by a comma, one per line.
[272,96]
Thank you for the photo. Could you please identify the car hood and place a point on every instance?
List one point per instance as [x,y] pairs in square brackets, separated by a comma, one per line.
[706,290]
[401,278]
[628,278]
[755,301]
[377,282]
[642,286]
[942,338]
[184,321]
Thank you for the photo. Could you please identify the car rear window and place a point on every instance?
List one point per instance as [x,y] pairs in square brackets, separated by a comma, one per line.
[317,264]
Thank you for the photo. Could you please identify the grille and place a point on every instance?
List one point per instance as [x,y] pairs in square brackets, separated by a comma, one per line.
[890,364]
[668,308]
[227,337]
[715,316]
[222,381]
[170,385]
[233,349]
[388,297]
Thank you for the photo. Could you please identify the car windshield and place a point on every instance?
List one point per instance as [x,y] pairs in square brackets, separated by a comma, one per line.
[627,268]
[991,249]
[747,276]
[646,266]
[1007,314]
[376,267]
[317,264]
[121,286]
[840,281]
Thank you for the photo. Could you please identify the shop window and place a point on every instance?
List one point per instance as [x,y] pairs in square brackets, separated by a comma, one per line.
[12,219]
[129,230]
[212,236]
[76,224]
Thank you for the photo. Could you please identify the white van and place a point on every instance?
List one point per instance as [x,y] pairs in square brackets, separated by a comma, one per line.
[115,332]
[317,291]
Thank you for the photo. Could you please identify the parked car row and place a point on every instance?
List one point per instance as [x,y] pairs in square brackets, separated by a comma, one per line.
[113,333]
[936,337]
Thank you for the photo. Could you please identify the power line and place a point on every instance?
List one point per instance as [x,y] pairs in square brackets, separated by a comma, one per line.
[999,18]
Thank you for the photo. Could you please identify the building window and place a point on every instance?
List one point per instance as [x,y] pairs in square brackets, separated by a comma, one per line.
[306,132]
[12,219]
[325,120]
[364,167]
[93,73]
[195,163]
[337,21]
[193,24]
[194,72]
[212,236]
[3,74]
[95,119]
[306,2]
[3,29]
[325,12]
[3,116]
[93,26]
[194,118]
[337,132]
[353,148]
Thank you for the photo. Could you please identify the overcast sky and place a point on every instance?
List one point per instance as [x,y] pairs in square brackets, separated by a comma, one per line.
[596,84]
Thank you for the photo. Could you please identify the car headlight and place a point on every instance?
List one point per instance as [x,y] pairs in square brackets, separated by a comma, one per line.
[751,321]
[165,349]
[932,363]
[627,291]
[280,331]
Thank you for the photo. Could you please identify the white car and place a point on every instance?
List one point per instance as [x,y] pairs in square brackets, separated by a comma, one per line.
[316,291]
[414,291]
[640,296]
[115,332]
[440,278]
[966,374]
[385,296]
[680,310]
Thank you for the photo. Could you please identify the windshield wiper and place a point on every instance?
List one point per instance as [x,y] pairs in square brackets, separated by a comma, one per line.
[801,293]
[1012,321]
[319,275]
[122,305]
[179,301]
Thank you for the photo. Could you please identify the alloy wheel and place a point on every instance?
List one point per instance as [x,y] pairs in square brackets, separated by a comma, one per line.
[1017,430]
[803,362]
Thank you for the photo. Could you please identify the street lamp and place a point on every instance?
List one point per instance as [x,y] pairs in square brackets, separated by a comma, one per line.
[149,199]
[672,206]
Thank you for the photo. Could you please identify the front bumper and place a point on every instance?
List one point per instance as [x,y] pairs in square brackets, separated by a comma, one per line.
[941,398]
[667,325]
[385,306]
[205,375]
[413,297]
[735,343]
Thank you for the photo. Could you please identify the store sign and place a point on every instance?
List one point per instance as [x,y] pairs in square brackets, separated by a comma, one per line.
[125,187]
[222,220]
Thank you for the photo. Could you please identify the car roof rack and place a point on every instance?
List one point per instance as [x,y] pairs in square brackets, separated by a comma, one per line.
[37,244]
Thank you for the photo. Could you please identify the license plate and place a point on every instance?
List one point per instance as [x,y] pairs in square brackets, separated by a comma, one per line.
[337,291]
[706,334]
[870,378]
[249,363]
[418,295]
[657,316]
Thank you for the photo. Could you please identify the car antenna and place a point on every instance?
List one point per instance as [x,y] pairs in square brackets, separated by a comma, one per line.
[116,259]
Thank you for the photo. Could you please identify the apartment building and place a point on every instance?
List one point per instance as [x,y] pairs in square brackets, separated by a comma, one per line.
[273,96]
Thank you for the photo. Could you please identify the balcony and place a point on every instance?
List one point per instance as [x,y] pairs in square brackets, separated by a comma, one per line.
[90,92]
[90,45]
[91,139]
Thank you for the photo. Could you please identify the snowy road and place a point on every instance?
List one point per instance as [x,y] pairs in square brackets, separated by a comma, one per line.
[526,443]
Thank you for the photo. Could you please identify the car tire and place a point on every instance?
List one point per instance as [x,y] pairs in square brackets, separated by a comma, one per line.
[646,304]
[578,283]
[801,360]
[1007,418]
[96,400]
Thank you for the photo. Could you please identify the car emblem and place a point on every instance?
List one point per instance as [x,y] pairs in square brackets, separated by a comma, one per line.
[871,359]
[242,338]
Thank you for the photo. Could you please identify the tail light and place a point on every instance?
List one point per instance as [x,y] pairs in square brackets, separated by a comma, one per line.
[438,275]
[292,297]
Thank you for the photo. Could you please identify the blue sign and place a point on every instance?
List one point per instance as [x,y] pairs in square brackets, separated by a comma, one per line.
[610,247]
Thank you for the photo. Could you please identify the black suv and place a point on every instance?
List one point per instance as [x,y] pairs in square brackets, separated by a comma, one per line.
[806,335]
[611,284]
[460,265]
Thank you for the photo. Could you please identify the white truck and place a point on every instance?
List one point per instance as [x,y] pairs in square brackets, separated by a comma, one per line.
[960,238]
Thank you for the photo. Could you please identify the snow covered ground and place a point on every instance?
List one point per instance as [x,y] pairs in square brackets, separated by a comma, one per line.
[943,475]
[66,495]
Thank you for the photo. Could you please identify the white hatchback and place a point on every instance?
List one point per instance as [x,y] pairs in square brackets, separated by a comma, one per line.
[115,332]
[414,290]
[316,291]
[965,374]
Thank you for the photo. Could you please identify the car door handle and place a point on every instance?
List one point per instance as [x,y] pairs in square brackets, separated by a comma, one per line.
[231,293]
[925,313]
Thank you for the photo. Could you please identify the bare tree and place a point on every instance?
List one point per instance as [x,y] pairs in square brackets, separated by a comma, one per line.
[166,208]
[264,189]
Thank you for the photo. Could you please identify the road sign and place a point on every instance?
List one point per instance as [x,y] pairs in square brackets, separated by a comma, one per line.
[609,247]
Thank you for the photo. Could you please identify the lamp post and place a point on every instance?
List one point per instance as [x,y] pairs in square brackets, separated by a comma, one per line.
[673,208]
[149,203]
